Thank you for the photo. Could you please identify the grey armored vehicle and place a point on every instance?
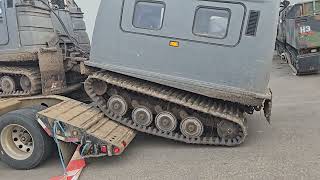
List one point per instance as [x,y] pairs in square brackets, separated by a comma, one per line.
[186,70]
[41,45]
[298,39]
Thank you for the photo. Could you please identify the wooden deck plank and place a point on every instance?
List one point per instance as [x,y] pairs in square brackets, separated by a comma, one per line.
[60,108]
[73,112]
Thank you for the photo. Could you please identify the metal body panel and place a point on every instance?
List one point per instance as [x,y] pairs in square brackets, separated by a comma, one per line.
[64,15]
[4,36]
[201,65]
[14,37]
[79,27]
[73,24]
[308,63]
[305,38]
[302,32]
[298,27]
[35,25]
[29,27]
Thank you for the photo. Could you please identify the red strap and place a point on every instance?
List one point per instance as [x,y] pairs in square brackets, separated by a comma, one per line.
[76,164]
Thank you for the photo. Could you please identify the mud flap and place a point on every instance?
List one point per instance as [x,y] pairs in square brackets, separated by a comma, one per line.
[267,108]
[52,71]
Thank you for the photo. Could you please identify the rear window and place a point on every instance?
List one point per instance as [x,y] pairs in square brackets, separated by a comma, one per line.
[148,15]
[211,22]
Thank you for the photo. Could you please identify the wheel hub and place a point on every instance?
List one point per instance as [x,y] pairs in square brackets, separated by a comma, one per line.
[17,142]
[142,116]
[192,127]
[7,84]
[100,87]
[25,83]
[227,130]
[166,121]
[118,105]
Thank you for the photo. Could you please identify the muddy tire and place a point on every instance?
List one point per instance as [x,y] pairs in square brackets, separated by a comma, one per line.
[23,143]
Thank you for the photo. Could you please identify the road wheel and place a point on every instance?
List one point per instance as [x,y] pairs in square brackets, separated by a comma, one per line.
[8,84]
[191,127]
[23,143]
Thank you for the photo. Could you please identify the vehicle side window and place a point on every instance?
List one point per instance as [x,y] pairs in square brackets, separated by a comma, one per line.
[148,15]
[9,3]
[0,7]
[211,22]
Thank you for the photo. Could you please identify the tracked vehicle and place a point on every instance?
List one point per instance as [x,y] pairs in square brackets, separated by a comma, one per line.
[41,45]
[298,39]
[183,70]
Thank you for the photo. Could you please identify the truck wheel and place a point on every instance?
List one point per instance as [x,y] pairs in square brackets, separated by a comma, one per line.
[23,143]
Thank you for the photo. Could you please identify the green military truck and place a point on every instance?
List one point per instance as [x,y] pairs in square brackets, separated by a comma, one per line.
[298,39]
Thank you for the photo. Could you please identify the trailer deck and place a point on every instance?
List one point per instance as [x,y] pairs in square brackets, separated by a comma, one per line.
[84,123]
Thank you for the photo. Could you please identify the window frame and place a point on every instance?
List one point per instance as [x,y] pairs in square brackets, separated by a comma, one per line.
[214,8]
[151,2]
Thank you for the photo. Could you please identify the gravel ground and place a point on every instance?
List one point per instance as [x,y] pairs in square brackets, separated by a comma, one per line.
[289,148]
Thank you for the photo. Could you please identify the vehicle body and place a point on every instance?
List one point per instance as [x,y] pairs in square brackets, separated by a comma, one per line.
[219,51]
[298,38]
[40,47]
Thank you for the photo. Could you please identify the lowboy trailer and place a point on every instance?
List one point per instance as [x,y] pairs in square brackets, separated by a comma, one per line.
[26,125]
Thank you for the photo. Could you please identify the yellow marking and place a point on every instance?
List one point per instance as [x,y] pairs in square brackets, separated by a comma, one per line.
[174,44]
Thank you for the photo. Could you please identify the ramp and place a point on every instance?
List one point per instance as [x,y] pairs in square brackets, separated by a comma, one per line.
[85,123]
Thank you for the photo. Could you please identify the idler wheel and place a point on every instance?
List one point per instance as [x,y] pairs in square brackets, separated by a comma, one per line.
[166,121]
[118,105]
[227,129]
[8,84]
[99,87]
[191,127]
[25,83]
[142,116]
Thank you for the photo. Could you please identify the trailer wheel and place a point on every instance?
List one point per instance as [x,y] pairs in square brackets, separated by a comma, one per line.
[23,143]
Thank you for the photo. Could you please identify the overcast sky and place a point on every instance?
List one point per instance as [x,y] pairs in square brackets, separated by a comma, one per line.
[90,8]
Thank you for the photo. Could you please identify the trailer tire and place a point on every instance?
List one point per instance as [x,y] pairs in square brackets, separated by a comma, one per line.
[23,121]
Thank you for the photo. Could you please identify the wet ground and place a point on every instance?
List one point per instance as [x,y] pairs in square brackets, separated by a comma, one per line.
[289,148]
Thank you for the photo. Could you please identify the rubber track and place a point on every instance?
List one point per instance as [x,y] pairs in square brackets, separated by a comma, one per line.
[32,73]
[217,108]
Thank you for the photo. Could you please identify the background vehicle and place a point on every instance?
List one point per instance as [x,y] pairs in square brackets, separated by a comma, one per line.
[41,45]
[298,39]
